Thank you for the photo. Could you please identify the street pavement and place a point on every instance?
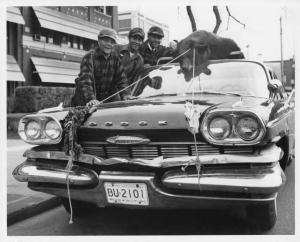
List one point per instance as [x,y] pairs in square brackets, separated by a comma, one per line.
[21,201]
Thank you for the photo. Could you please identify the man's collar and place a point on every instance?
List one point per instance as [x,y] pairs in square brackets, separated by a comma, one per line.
[100,52]
[149,46]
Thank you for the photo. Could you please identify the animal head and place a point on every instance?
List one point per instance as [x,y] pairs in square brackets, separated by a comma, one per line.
[206,46]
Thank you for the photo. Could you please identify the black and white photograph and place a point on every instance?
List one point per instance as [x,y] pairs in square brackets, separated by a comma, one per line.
[149,119]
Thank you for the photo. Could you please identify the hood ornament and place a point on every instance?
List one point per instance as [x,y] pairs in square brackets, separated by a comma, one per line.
[127,140]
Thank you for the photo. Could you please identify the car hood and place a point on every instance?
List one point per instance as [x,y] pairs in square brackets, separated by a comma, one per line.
[150,113]
[162,118]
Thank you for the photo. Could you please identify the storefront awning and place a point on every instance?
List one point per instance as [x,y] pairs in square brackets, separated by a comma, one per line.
[56,71]
[58,21]
[14,15]
[14,72]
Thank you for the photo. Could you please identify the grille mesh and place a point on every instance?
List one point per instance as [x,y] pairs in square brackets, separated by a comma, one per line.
[151,151]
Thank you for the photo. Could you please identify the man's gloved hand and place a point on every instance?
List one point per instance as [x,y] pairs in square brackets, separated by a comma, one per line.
[93,102]
[173,45]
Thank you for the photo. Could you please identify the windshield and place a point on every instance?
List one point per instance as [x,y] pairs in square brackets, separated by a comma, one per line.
[240,78]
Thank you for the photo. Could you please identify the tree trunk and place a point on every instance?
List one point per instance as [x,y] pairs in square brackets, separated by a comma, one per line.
[191,16]
[218,19]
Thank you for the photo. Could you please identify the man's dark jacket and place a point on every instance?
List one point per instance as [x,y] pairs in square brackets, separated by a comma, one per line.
[151,56]
[133,63]
[107,73]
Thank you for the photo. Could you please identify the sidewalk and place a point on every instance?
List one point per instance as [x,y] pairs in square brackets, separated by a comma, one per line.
[22,202]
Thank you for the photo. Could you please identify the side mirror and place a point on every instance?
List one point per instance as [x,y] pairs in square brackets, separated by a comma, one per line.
[274,85]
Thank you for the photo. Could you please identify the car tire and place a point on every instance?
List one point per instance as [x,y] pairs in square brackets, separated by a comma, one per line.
[79,208]
[262,216]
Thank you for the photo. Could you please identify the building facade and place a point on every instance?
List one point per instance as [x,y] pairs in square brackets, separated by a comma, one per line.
[132,19]
[46,44]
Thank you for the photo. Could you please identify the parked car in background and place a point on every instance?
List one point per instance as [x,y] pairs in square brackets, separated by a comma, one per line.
[142,154]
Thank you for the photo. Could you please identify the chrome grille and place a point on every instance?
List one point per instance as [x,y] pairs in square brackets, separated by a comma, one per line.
[204,149]
[174,150]
[167,150]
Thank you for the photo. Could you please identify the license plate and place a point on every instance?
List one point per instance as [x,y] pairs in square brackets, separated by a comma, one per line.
[126,193]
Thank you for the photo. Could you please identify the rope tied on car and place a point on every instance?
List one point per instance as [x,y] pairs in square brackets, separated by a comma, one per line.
[74,119]
[192,114]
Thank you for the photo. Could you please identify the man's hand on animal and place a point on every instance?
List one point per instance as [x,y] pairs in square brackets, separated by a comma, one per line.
[207,46]
[93,102]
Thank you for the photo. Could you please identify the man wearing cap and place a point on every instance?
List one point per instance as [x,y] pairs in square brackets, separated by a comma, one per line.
[132,61]
[102,72]
[151,50]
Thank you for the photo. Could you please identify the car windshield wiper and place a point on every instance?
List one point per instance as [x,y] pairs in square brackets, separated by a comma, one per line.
[161,95]
[221,93]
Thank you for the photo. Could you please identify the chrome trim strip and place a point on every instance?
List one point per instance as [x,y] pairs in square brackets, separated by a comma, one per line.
[259,180]
[152,143]
[59,155]
[38,172]
[270,154]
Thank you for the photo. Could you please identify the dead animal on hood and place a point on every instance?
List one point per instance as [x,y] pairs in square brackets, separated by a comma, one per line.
[208,46]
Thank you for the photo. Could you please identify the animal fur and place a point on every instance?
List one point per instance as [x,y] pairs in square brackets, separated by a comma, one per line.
[208,46]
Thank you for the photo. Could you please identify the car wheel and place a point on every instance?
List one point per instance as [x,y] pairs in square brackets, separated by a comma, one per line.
[79,208]
[262,216]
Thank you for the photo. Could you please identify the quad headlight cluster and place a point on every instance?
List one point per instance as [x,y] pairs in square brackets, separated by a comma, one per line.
[40,129]
[232,128]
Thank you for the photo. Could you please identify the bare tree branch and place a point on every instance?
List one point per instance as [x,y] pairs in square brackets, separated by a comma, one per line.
[234,17]
[191,16]
[218,19]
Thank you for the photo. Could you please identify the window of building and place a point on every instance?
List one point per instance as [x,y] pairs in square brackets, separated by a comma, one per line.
[100,9]
[124,23]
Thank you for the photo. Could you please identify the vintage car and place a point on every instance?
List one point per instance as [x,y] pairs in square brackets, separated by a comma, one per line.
[143,153]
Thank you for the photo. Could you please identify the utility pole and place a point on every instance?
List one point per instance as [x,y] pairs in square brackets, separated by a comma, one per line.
[281,55]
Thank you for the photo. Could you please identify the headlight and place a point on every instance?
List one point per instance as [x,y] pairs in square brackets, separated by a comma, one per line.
[228,127]
[33,130]
[52,129]
[40,129]
[247,128]
[219,128]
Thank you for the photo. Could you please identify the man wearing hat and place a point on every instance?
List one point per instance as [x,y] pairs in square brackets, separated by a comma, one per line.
[151,50]
[129,54]
[101,72]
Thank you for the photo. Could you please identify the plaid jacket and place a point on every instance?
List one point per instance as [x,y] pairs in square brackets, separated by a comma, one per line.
[132,64]
[105,74]
[151,56]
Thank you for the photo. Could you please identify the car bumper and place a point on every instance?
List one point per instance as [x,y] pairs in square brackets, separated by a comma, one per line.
[175,189]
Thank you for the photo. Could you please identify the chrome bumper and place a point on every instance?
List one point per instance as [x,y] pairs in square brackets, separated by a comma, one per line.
[242,186]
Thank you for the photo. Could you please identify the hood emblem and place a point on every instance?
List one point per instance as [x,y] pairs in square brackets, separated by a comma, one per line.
[127,140]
